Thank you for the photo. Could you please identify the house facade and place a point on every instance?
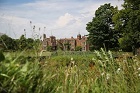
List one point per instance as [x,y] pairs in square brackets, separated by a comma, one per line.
[66,43]
[49,42]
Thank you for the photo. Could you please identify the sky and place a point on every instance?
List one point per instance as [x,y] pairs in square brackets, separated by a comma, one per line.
[61,18]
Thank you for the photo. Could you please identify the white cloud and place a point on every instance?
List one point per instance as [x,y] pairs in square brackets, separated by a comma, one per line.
[15,20]
[41,5]
[67,17]
[65,20]
[14,26]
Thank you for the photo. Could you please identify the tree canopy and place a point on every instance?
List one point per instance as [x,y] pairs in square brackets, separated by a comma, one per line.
[127,21]
[101,28]
[7,43]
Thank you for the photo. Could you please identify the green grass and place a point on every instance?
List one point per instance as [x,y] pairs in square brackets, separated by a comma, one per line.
[52,75]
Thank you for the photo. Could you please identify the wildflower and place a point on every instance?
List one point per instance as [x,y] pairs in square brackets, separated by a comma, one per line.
[102,74]
[17,65]
[71,63]
[139,69]
[118,70]
[135,60]
[120,50]
[110,54]
[71,59]
[93,59]
[107,76]
[139,75]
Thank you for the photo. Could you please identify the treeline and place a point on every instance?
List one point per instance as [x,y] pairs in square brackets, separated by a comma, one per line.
[116,29]
[7,43]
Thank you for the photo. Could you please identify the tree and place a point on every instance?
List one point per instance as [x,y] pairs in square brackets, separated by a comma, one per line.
[127,21]
[125,44]
[22,42]
[101,28]
[30,43]
[7,43]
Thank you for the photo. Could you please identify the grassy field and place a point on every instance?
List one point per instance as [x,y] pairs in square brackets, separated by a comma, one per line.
[69,72]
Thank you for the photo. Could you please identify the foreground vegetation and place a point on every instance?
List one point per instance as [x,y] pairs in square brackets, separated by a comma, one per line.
[91,72]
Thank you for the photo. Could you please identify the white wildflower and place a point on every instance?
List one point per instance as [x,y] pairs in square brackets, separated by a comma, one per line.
[120,50]
[93,59]
[107,76]
[135,60]
[102,74]
[118,70]
[71,59]
[139,69]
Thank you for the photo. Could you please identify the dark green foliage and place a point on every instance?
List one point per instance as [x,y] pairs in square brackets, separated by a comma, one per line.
[22,43]
[101,29]
[30,43]
[127,21]
[7,42]
[2,57]
[125,44]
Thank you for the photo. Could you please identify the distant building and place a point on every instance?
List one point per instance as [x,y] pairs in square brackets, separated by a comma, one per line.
[49,42]
[66,43]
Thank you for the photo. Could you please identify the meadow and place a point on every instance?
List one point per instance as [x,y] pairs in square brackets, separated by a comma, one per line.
[69,72]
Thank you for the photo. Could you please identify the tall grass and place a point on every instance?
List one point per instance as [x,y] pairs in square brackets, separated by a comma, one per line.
[108,75]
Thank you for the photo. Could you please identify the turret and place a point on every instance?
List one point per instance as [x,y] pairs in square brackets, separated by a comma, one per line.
[44,36]
[79,36]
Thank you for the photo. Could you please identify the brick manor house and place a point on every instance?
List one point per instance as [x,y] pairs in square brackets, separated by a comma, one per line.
[65,43]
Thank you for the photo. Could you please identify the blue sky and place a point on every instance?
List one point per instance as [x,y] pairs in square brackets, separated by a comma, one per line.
[62,18]
[16,1]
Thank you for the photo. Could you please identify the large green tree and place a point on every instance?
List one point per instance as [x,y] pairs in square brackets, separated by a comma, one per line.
[30,43]
[22,43]
[7,43]
[101,28]
[127,21]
